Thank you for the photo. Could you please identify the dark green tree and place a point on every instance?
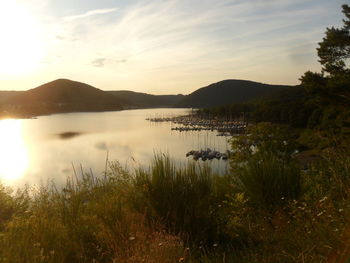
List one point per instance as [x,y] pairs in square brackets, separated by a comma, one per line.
[332,86]
[329,90]
[334,50]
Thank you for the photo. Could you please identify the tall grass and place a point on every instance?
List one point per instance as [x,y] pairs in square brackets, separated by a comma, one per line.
[267,212]
[88,221]
[185,199]
[269,181]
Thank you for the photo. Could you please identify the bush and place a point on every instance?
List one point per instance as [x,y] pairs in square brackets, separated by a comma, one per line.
[268,181]
[185,199]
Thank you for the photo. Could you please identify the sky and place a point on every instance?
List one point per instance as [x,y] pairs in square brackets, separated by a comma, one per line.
[161,46]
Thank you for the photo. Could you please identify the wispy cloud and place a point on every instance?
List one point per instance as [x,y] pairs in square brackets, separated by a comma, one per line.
[99,62]
[164,45]
[90,13]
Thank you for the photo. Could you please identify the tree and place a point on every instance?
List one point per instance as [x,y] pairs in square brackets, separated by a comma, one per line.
[334,49]
[332,86]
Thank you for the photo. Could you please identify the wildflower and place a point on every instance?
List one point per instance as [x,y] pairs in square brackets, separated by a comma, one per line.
[181,259]
[160,244]
[319,214]
[340,210]
[131,238]
[215,245]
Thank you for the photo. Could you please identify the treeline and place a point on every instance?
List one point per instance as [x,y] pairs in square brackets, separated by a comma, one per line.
[289,106]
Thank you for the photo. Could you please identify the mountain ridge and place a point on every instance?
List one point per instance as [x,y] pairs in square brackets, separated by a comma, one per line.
[141,99]
[64,95]
[59,96]
[227,92]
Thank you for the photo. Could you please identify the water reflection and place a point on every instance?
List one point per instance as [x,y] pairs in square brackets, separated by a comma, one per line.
[68,135]
[14,158]
[33,152]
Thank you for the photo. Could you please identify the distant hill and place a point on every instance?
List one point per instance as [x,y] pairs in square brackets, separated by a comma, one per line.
[7,94]
[144,100]
[60,96]
[228,92]
[65,95]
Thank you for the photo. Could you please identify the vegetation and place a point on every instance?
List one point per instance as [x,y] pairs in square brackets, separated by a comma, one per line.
[268,208]
[227,92]
[144,100]
[59,96]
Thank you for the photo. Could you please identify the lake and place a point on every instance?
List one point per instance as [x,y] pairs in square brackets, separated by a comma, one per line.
[35,151]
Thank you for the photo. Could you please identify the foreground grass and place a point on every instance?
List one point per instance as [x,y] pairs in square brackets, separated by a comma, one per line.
[269,211]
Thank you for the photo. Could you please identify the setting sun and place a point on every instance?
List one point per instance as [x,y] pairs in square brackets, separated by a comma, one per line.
[20,49]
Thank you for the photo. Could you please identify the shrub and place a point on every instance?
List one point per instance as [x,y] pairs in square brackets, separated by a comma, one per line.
[185,199]
[267,181]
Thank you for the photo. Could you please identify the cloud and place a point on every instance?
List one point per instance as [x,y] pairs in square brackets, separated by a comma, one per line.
[183,45]
[90,13]
[99,62]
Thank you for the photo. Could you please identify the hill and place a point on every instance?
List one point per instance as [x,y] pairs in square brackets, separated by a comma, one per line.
[7,94]
[60,96]
[289,105]
[144,100]
[228,92]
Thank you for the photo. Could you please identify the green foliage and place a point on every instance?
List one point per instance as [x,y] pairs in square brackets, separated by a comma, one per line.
[186,199]
[331,177]
[264,137]
[149,215]
[7,206]
[335,47]
[263,167]
[89,220]
[268,182]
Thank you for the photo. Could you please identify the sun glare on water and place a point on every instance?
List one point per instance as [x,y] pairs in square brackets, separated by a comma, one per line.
[20,49]
[13,153]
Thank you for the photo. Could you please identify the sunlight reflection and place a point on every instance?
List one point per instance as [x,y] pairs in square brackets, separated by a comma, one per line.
[13,153]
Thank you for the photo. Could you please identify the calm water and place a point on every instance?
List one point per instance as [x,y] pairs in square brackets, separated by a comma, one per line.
[33,152]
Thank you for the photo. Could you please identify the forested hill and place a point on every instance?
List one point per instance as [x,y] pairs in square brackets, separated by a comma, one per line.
[144,100]
[7,94]
[65,95]
[228,92]
[61,95]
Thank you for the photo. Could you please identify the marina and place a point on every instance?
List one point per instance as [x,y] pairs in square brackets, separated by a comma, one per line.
[196,123]
[193,123]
